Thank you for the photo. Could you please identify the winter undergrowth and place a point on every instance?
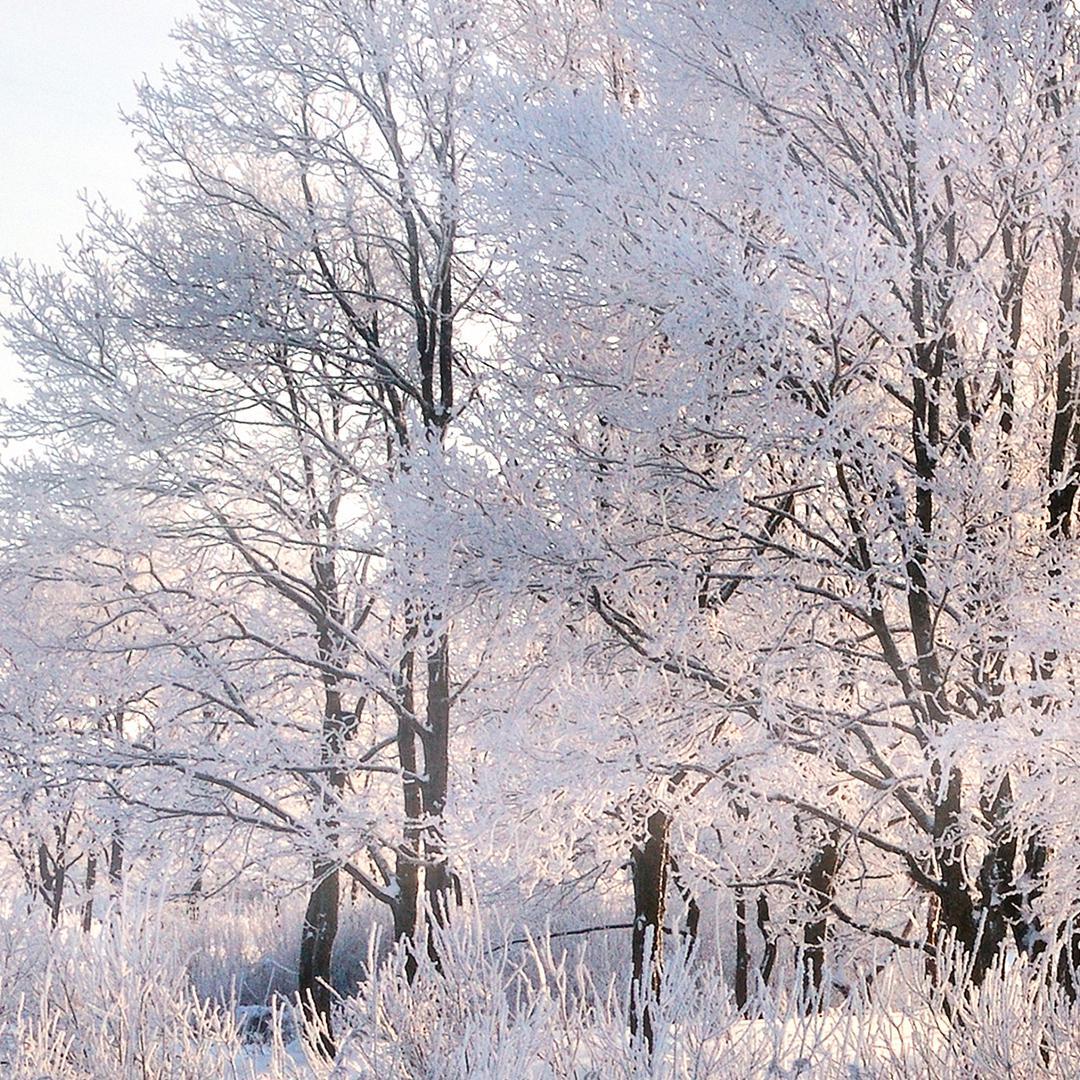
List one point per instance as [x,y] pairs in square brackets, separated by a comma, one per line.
[153,992]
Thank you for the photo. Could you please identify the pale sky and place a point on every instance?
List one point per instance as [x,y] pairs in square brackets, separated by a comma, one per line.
[66,69]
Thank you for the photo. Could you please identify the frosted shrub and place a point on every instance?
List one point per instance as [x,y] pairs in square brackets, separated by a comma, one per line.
[138,999]
[120,1003]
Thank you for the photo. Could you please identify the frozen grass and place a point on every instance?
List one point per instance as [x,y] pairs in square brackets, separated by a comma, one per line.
[120,1003]
[152,993]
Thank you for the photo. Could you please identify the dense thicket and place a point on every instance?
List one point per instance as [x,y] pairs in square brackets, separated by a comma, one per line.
[548,460]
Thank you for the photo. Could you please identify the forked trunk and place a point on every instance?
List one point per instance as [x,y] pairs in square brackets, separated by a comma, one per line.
[750,979]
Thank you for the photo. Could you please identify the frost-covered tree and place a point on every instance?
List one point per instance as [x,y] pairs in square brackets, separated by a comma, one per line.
[550,455]
[264,364]
[808,412]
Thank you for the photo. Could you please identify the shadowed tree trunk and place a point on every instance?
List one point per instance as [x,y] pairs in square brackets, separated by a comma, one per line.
[745,970]
[768,941]
[742,954]
[407,868]
[321,916]
[437,393]
[436,742]
[52,869]
[821,882]
[115,868]
[1064,477]
[316,953]
[88,888]
[425,784]
[116,858]
[688,932]
[649,867]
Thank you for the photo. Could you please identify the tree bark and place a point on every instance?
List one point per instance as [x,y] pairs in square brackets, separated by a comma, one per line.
[116,858]
[91,881]
[407,867]
[689,930]
[742,954]
[321,916]
[436,741]
[649,864]
[1064,477]
[316,954]
[768,957]
[820,881]
[744,966]
[52,870]
[115,869]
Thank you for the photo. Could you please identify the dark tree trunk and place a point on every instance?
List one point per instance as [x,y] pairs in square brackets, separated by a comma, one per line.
[436,742]
[58,882]
[953,919]
[1064,477]
[650,865]
[768,956]
[115,868]
[52,870]
[1002,907]
[742,954]
[746,973]
[976,922]
[198,871]
[46,873]
[316,953]
[820,881]
[407,868]
[435,349]
[1064,460]
[88,888]
[425,785]
[116,858]
[1067,962]
[195,895]
[689,930]
[321,917]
